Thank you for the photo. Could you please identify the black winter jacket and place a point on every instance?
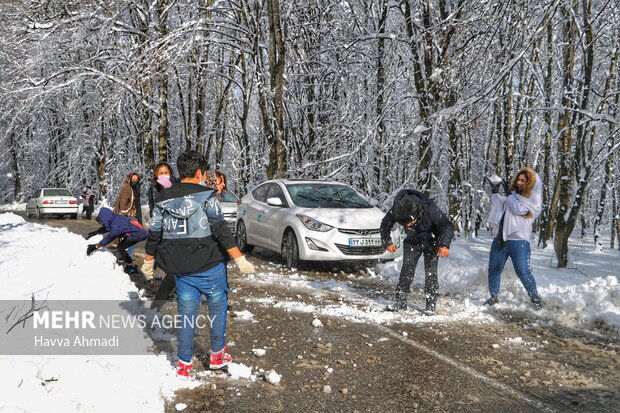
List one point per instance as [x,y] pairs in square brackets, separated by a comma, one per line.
[433,229]
[188,233]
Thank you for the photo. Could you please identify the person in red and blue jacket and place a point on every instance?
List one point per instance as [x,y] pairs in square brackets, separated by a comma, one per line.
[127,229]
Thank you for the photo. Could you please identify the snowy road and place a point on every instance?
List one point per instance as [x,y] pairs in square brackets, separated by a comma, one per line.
[363,359]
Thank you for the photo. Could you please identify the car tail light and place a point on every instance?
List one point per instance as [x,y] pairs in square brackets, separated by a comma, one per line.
[48,202]
[73,202]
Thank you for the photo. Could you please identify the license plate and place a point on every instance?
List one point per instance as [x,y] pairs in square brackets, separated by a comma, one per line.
[61,202]
[364,242]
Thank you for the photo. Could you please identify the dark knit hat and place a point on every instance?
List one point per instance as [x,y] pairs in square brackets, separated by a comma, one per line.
[406,211]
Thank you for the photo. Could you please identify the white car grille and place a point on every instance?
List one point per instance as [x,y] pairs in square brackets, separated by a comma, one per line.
[359,231]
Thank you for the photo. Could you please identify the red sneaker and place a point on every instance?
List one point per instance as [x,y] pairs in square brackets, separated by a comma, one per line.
[183,369]
[220,359]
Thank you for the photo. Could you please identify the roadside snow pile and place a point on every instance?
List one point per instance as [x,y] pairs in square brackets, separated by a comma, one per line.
[586,296]
[13,207]
[50,264]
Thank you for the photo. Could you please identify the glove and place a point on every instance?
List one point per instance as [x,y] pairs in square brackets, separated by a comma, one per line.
[91,248]
[148,269]
[91,234]
[245,266]
[391,248]
[443,252]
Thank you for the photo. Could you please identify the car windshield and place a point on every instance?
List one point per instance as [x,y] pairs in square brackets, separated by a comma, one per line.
[57,192]
[326,196]
[227,196]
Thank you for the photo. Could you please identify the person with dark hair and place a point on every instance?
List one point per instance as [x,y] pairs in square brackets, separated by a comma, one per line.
[429,233]
[220,182]
[511,219]
[128,200]
[162,179]
[190,239]
[88,205]
[128,230]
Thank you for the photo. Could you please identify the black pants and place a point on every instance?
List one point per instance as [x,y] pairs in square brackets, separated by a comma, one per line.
[163,292]
[124,245]
[90,208]
[411,256]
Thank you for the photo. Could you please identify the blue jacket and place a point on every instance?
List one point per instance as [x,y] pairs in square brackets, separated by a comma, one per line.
[433,229]
[117,225]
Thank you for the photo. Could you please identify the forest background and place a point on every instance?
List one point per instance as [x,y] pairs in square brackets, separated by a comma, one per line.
[378,94]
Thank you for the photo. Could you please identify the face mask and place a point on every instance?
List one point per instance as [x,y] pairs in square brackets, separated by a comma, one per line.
[133,183]
[164,180]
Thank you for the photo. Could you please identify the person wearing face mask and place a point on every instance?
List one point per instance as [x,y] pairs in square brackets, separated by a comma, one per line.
[511,219]
[128,200]
[162,179]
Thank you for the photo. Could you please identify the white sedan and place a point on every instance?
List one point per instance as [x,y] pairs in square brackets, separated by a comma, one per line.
[311,221]
[228,203]
[52,201]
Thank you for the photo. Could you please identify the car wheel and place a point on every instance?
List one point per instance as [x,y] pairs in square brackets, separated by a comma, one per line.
[242,238]
[39,215]
[290,250]
[74,216]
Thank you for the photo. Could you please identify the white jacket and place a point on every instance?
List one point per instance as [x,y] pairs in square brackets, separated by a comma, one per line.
[514,208]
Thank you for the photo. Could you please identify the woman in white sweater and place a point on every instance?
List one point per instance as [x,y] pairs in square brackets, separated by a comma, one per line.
[511,219]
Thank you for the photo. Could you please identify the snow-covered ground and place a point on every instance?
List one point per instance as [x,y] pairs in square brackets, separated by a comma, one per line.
[51,263]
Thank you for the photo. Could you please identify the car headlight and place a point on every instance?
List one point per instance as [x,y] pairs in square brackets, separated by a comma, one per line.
[313,224]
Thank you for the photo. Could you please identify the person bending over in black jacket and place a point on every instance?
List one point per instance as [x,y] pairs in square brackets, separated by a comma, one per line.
[429,232]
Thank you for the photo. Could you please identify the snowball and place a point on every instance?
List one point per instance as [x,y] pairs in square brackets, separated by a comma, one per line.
[259,352]
[273,377]
[239,371]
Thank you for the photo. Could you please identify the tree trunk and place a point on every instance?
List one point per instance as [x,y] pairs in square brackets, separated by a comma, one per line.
[547,220]
[615,218]
[425,154]
[15,175]
[277,167]
[101,162]
[609,162]
[565,172]
[381,163]
[163,132]
[202,56]
[508,127]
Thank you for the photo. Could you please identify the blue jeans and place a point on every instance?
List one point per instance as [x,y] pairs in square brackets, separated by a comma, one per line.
[519,253]
[213,284]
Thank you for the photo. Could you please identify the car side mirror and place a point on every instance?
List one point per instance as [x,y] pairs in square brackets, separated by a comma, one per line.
[274,202]
[374,202]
